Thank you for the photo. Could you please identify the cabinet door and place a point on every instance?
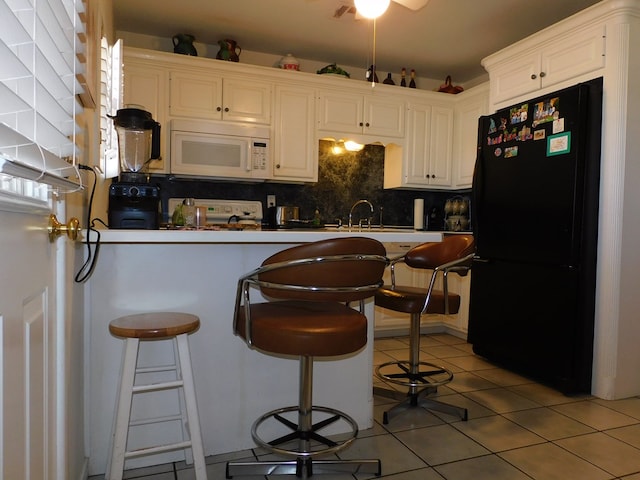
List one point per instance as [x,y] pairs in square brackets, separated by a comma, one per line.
[384,116]
[295,145]
[246,101]
[146,85]
[516,78]
[341,113]
[581,53]
[195,95]
[417,168]
[441,146]
[465,136]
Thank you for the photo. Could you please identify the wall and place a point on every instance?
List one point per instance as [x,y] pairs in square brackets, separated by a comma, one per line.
[342,180]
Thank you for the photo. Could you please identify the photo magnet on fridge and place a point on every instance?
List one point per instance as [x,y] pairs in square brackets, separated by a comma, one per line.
[559,144]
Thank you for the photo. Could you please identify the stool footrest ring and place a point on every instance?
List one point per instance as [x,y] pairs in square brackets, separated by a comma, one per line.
[327,445]
[411,375]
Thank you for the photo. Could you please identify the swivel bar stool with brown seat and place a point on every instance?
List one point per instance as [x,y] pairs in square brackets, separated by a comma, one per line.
[307,315]
[453,254]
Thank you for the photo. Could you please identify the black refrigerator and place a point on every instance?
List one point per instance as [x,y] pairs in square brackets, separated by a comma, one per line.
[535,222]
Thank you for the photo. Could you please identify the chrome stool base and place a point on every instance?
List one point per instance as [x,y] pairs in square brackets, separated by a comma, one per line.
[412,377]
[305,465]
[304,468]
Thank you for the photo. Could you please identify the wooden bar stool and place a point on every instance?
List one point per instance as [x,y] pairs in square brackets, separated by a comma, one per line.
[148,327]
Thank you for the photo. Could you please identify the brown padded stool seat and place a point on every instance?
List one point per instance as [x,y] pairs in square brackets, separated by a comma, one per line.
[411,300]
[158,325]
[306,328]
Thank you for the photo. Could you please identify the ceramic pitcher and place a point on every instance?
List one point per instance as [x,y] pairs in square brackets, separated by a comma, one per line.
[229,50]
[183,44]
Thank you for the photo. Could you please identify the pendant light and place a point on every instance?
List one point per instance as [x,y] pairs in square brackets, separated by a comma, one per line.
[372,8]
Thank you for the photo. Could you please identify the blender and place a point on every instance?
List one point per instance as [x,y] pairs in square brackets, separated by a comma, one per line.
[133,201]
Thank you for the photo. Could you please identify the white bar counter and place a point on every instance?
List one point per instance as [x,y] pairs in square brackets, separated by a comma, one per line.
[197,272]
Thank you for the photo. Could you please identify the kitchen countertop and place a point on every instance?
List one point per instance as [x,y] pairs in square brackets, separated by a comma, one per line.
[260,236]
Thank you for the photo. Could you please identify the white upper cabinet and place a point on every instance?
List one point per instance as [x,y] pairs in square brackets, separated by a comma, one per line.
[425,159]
[356,113]
[526,68]
[201,94]
[295,143]
[146,84]
[470,106]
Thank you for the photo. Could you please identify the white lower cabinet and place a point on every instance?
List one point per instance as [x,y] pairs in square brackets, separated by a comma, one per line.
[390,323]
[295,150]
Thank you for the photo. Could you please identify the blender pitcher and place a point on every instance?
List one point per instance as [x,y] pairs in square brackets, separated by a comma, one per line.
[138,142]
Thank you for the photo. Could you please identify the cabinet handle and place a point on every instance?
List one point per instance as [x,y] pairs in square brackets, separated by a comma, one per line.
[219,109]
[542,74]
[278,165]
[226,109]
[361,124]
[430,176]
[366,124]
[533,76]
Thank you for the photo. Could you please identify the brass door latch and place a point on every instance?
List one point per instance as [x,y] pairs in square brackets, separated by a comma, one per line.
[56,228]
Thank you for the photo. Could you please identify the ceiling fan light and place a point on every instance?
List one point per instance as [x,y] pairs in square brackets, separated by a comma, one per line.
[371,8]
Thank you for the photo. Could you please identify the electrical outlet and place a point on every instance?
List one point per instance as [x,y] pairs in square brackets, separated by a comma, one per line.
[271,200]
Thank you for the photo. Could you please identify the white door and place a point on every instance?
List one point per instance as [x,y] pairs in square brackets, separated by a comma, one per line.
[29,302]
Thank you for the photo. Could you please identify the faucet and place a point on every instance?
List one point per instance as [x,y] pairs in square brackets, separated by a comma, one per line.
[359,202]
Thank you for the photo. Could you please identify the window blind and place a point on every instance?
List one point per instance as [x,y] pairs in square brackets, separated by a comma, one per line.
[41,53]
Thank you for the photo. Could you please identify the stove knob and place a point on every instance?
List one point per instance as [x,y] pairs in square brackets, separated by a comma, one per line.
[134,192]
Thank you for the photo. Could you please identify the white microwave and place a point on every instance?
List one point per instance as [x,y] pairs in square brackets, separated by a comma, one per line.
[220,150]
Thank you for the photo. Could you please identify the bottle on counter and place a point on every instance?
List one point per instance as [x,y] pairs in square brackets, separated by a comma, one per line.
[403,79]
[189,212]
[388,80]
[412,83]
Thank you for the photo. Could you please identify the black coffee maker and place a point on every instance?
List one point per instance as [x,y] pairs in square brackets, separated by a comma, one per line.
[133,201]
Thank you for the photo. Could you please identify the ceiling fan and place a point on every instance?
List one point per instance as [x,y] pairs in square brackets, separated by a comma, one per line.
[349,7]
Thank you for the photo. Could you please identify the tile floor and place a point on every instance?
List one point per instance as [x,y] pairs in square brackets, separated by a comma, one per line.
[517,429]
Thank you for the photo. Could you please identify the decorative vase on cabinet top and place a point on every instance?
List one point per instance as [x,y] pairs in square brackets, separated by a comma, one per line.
[183,44]
[229,50]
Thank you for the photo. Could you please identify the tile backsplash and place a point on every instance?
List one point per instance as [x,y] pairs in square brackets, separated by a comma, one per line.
[342,180]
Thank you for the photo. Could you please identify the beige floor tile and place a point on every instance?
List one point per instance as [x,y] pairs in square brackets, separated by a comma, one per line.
[595,415]
[470,363]
[444,351]
[501,400]
[489,467]
[468,382]
[381,357]
[630,434]
[543,395]
[394,456]
[421,474]
[403,354]
[390,343]
[548,424]
[441,444]
[606,452]
[503,377]
[497,433]
[448,339]
[465,347]
[550,462]
[406,420]
[628,406]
